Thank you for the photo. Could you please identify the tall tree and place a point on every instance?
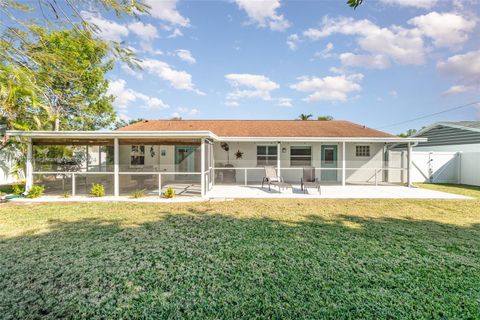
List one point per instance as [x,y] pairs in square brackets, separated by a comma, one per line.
[305,116]
[408,133]
[70,71]
[325,118]
[354,3]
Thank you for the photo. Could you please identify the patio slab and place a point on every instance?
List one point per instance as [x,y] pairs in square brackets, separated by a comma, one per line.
[331,192]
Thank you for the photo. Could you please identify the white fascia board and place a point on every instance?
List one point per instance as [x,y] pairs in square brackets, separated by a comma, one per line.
[111,134]
[321,139]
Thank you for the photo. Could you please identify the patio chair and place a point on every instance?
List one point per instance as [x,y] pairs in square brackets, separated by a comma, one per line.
[308,180]
[272,178]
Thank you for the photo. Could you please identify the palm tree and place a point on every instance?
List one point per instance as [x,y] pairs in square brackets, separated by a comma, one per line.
[305,116]
[324,118]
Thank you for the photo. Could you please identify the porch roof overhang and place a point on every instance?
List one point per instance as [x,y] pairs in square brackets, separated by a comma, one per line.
[107,137]
[111,134]
[190,135]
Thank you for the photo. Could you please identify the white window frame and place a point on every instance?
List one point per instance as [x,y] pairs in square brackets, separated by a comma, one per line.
[138,153]
[271,159]
[365,151]
[303,156]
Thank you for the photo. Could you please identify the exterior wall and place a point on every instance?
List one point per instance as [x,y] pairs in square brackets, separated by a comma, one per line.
[362,168]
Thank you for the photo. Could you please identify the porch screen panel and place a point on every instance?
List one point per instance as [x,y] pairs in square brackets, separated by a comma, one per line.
[266,155]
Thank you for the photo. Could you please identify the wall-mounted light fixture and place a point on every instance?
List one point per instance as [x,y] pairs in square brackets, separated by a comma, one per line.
[284,150]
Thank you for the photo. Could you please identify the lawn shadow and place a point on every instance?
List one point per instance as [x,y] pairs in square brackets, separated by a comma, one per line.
[201,264]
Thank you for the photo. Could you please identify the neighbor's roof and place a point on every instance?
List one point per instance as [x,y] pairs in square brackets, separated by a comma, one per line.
[262,128]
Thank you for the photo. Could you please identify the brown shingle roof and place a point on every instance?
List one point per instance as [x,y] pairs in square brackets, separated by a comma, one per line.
[262,128]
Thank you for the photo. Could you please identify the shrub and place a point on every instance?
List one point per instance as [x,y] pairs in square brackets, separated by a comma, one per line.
[169,193]
[18,189]
[138,194]
[97,190]
[35,192]
[66,194]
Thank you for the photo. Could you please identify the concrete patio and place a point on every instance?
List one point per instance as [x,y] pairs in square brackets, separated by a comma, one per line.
[330,192]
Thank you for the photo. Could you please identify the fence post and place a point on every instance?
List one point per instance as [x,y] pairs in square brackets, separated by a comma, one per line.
[245,176]
[116,167]
[159,184]
[74,191]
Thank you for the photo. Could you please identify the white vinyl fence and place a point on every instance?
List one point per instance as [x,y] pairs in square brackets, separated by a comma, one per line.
[439,167]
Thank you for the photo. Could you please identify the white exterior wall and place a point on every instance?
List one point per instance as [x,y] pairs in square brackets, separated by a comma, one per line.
[293,174]
[157,163]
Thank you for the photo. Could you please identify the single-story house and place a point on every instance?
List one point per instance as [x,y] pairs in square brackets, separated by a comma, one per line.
[193,155]
[459,136]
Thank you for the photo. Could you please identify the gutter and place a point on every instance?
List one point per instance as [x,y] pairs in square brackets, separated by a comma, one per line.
[111,134]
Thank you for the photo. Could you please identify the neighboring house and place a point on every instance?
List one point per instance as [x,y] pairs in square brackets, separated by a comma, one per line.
[195,154]
[460,136]
[450,155]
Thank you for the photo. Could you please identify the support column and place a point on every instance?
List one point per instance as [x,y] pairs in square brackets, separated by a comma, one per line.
[202,168]
[409,164]
[29,167]
[279,153]
[344,170]
[116,167]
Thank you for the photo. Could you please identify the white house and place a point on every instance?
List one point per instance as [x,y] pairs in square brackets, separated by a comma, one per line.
[193,155]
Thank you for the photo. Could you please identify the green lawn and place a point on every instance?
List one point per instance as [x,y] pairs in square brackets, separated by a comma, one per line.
[369,259]
[469,191]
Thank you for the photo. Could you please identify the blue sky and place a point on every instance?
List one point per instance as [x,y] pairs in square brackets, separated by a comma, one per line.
[387,61]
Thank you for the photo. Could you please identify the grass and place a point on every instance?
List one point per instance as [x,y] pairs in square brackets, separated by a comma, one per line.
[333,259]
[465,190]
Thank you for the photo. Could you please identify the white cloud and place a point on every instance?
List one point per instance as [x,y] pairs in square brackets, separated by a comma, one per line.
[423,4]
[146,32]
[284,102]
[330,88]
[394,93]
[186,56]
[446,29]
[178,79]
[404,46]
[292,41]
[167,10]
[183,112]
[457,89]
[249,86]
[175,33]
[465,68]
[264,13]
[124,96]
[366,61]
[325,53]
[107,30]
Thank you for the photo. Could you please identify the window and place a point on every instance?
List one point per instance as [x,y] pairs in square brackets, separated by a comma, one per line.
[329,156]
[266,155]
[300,156]
[137,156]
[362,151]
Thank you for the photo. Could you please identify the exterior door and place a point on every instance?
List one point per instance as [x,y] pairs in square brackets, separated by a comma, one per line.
[329,160]
[184,160]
